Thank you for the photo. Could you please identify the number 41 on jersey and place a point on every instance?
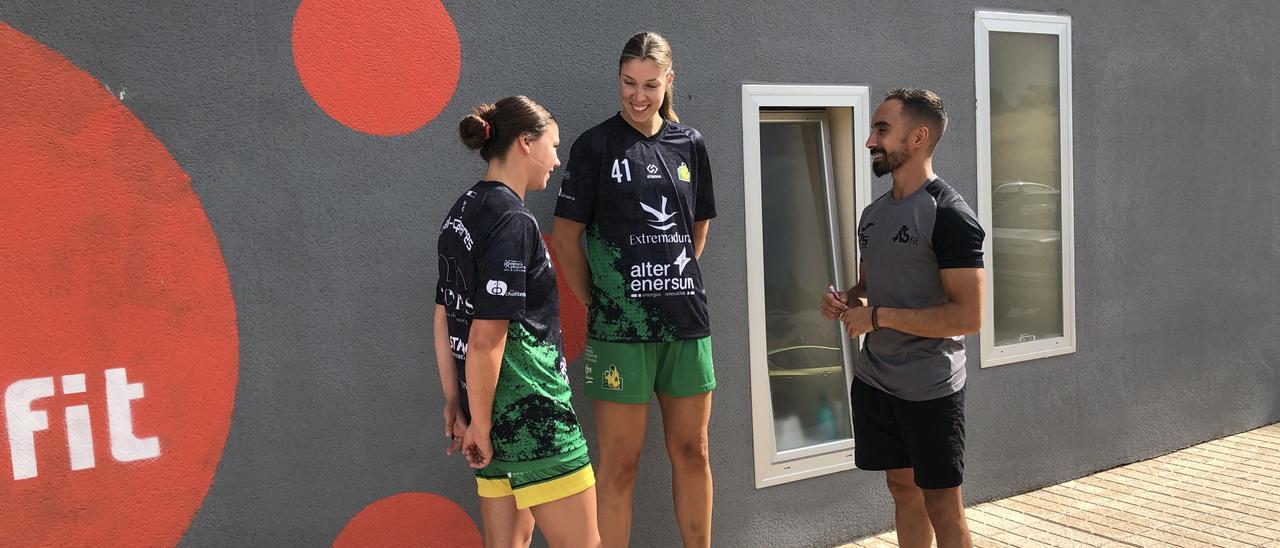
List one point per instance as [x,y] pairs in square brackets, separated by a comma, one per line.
[620,168]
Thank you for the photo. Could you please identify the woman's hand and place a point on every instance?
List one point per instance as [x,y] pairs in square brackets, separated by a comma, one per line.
[477,447]
[455,427]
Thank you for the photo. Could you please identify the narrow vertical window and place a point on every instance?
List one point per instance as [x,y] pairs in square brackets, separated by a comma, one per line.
[1023,78]
[806,180]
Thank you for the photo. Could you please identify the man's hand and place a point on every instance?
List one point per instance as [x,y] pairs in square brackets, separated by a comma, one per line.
[857,321]
[455,427]
[832,307]
[477,447]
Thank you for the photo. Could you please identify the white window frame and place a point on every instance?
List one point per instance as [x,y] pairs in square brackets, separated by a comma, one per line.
[772,467]
[985,22]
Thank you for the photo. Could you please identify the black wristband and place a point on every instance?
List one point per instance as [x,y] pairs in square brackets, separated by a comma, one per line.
[875,318]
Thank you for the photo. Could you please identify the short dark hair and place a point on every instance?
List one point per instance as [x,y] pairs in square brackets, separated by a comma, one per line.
[923,106]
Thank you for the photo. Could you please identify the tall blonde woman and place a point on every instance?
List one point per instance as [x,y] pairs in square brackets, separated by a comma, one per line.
[638,185]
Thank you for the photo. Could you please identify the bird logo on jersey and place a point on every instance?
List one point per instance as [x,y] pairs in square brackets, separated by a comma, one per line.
[660,215]
[612,379]
[683,174]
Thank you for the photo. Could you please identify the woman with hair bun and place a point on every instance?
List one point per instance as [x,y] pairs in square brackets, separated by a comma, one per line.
[498,344]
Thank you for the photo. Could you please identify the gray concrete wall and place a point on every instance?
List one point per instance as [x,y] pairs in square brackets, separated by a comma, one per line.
[328,235]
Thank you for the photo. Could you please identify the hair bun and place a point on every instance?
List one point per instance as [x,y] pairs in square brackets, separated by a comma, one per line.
[474,129]
[492,128]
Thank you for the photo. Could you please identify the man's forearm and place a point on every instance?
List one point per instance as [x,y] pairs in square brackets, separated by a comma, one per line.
[945,320]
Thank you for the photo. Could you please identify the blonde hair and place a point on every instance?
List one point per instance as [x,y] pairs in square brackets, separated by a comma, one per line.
[652,46]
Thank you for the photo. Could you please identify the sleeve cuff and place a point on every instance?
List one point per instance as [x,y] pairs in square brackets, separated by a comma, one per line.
[961,263]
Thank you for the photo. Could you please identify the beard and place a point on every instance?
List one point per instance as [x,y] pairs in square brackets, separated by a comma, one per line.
[889,161]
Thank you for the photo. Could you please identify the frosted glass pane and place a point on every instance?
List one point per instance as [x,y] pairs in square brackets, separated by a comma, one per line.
[1026,187]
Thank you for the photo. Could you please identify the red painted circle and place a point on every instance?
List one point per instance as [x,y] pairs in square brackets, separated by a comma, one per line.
[410,519]
[385,67]
[109,265]
[573,315]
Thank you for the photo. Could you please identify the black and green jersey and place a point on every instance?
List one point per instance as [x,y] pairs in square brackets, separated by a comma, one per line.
[494,266]
[639,197]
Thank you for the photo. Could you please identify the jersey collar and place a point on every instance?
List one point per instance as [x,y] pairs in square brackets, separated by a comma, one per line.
[662,130]
[501,185]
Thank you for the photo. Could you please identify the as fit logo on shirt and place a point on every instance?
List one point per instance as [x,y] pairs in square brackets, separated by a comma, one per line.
[904,236]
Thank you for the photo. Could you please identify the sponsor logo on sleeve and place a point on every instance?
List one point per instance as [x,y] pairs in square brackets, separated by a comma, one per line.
[499,288]
[456,303]
[562,194]
[863,236]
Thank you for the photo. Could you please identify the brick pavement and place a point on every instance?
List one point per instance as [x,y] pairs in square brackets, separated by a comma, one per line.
[1224,492]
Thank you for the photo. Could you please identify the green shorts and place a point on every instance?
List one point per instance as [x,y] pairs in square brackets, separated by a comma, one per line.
[630,372]
[537,482]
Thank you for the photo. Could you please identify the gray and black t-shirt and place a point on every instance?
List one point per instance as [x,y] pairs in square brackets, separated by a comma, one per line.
[905,244]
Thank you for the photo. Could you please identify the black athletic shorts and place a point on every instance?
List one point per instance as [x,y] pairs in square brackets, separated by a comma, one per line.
[890,432]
